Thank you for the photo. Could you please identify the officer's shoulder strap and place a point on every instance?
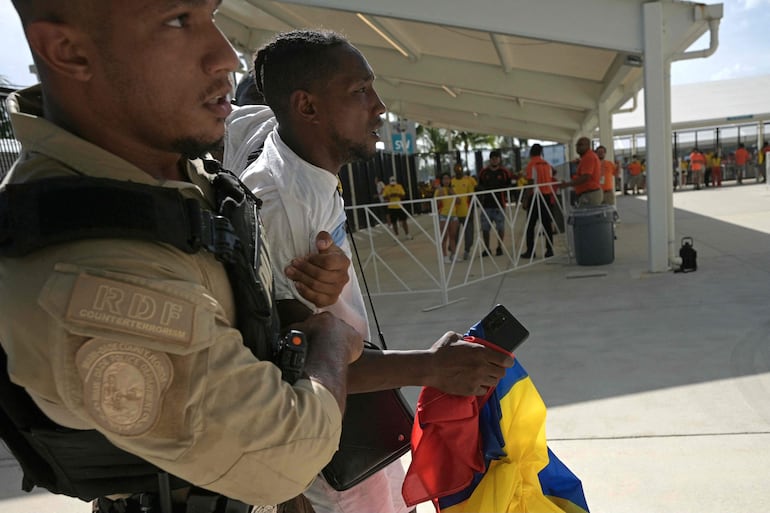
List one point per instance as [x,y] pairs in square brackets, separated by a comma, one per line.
[49,211]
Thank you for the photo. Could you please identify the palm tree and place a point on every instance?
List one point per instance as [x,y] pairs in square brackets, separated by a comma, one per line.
[472,141]
[435,140]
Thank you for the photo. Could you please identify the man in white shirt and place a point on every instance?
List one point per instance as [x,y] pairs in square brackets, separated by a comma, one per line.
[321,91]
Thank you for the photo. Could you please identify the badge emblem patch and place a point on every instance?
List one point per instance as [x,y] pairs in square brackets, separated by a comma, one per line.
[123,384]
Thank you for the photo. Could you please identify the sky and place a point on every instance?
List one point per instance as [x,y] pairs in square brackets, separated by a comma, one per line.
[744,46]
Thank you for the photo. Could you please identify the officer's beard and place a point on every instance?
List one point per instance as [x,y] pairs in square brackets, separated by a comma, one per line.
[193,149]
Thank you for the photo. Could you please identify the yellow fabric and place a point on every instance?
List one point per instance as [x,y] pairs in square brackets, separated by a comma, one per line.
[464,185]
[512,484]
[447,203]
[393,193]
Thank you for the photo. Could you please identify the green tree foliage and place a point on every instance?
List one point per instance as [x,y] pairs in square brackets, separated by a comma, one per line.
[467,141]
[434,140]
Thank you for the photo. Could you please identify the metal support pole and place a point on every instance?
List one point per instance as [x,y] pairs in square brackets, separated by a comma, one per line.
[657,105]
[605,131]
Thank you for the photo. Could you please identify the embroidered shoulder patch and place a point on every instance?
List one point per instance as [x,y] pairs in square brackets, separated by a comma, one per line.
[122,307]
[123,384]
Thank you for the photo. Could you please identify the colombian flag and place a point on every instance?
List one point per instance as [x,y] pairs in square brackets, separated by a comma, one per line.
[488,454]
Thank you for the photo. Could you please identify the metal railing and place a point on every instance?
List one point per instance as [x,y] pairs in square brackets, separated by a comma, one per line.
[395,265]
[9,146]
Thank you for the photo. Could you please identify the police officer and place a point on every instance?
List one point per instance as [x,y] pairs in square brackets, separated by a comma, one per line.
[138,340]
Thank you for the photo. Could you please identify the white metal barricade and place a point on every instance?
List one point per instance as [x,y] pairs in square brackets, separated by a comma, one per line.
[395,265]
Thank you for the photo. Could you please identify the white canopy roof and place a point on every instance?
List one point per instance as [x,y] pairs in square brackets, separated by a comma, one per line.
[706,104]
[534,68]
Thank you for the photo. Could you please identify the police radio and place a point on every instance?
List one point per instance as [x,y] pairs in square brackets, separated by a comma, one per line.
[291,356]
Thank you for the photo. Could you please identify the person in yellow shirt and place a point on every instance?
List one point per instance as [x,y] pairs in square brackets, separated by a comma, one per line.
[393,193]
[447,204]
[464,185]
[714,164]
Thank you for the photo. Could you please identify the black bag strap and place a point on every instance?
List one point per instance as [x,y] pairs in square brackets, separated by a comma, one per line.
[366,287]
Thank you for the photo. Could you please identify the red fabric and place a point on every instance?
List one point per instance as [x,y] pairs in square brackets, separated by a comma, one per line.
[446,445]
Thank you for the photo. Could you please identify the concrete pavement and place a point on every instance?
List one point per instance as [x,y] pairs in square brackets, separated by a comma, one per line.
[658,385]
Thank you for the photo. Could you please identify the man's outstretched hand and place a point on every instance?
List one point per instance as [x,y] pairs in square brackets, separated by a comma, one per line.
[465,368]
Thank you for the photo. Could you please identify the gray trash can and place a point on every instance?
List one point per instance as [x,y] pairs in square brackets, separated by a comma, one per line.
[593,234]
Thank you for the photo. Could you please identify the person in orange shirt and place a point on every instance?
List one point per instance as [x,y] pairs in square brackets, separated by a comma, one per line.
[609,172]
[742,157]
[635,175]
[697,165]
[587,176]
[539,171]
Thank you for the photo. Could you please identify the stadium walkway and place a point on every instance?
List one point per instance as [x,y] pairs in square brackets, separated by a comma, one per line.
[658,385]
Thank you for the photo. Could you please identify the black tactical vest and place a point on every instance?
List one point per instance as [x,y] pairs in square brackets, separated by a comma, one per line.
[34,215]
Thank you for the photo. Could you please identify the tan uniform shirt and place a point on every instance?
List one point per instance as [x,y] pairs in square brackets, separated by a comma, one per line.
[137,340]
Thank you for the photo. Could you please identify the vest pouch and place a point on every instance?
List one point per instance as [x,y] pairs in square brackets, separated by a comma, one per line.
[78,463]
[249,268]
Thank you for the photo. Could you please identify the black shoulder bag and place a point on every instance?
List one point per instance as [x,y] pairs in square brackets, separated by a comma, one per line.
[376,427]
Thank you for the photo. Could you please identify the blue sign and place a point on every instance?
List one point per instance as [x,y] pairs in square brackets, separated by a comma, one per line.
[398,143]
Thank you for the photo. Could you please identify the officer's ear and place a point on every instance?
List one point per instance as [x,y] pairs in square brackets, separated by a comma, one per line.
[62,48]
[302,104]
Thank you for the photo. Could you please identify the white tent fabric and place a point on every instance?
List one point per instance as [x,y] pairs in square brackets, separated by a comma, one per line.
[535,69]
